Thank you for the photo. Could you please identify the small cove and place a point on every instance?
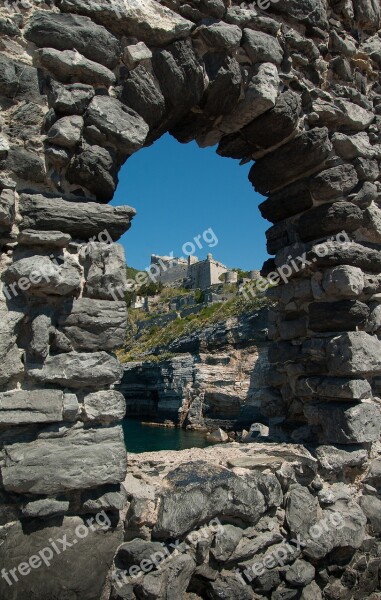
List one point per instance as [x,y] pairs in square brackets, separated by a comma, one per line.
[140,437]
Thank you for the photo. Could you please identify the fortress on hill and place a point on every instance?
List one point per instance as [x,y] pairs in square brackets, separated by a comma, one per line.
[191,272]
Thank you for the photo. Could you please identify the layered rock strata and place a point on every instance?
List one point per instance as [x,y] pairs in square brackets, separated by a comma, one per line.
[83,85]
[217,377]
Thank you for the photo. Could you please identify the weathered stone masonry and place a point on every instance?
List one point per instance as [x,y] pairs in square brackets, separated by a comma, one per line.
[83,85]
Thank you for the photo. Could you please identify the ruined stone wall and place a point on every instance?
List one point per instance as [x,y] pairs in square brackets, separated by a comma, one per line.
[86,83]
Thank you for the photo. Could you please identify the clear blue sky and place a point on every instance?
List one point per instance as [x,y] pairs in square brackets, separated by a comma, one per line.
[180,191]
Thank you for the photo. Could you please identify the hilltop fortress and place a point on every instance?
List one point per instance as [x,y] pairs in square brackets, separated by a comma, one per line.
[191,272]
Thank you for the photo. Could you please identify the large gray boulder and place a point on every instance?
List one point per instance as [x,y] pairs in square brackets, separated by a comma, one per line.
[344,315]
[105,272]
[79,573]
[218,36]
[340,526]
[170,582]
[81,220]
[354,353]
[290,162]
[261,94]
[344,422]
[334,387]
[261,47]
[181,76]
[70,99]
[66,132]
[147,20]
[142,93]
[69,66]
[41,276]
[302,510]
[92,324]
[104,407]
[95,169]
[73,32]
[333,183]
[78,370]
[120,125]
[74,459]
[334,461]
[198,491]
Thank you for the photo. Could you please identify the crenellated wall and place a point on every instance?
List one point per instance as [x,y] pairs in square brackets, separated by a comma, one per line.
[83,85]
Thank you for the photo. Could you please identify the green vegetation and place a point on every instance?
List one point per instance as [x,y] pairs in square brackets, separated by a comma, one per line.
[153,339]
[199,296]
[147,288]
[242,274]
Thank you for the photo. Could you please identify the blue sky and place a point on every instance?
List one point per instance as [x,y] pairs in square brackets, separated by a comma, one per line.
[180,191]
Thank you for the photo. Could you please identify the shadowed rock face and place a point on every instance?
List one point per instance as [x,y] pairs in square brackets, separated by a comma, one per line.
[85,84]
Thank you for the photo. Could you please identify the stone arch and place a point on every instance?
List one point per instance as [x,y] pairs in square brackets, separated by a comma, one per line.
[86,83]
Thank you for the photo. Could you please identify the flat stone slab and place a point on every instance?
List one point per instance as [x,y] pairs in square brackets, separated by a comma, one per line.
[39,406]
[256,462]
[80,459]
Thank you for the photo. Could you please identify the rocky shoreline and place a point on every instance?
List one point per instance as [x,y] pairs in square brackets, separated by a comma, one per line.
[251,521]
[216,378]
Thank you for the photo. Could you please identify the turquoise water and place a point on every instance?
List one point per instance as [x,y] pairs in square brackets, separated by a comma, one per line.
[144,438]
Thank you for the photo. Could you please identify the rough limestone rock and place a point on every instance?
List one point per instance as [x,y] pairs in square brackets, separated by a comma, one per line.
[72,99]
[81,574]
[354,353]
[261,47]
[145,19]
[104,407]
[334,387]
[66,132]
[104,270]
[253,496]
[83,321]
[78,370]
[305,153]
[334,460]
[21,407]
[142,93]
[43,276]
[69,66]
[345,423]
[261,95]
[219,36]
[94,169]
[84,458]
[120,125]
[81,220]
[73,32]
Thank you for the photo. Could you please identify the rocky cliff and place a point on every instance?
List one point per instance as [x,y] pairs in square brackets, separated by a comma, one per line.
[216,377]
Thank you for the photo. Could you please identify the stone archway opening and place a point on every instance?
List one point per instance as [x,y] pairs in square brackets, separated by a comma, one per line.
[84,85]
[185,191]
